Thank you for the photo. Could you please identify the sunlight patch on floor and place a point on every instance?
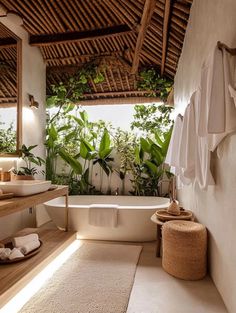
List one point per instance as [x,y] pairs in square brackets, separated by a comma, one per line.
[17,302]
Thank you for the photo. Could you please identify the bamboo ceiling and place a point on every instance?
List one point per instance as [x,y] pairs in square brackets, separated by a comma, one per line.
[8,69]
[124,35]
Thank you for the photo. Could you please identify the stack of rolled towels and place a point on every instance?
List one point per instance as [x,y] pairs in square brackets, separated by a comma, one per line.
[21,247]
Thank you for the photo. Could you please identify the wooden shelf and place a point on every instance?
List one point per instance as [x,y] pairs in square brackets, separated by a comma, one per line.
[17,204]
[13,277]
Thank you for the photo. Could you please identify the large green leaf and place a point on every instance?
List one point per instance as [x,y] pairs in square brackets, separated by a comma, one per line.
[105,153]
[84,116]
[75,164]
[158,139]
[165,144]
[88,145]
[83,150]
[156,153]
[70,107]
[152,167]
[64,127]
[52,132]
[104,166]
[70,136]
[78,120]
[145,145]
[105,142]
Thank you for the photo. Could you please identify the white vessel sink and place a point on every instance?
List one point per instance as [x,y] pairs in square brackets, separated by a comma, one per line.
[25,187]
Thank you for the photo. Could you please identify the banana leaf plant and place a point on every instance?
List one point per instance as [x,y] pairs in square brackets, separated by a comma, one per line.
[149,164]
[104,158]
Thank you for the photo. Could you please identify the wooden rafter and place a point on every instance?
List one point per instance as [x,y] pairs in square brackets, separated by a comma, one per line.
[148,11]
[118,93]
[129,100]
[165,34]
[117,53]
[77,36]
[7,42]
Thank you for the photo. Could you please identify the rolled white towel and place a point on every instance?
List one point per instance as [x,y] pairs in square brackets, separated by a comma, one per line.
[30,246]
[4,253]
[19,242]
[15,253]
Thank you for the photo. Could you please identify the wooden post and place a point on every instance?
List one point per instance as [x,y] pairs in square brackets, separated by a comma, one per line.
[148,11]
[165,34]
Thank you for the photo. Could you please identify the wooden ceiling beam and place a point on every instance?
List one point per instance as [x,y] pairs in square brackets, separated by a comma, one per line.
[148,11]
[7,42]
[123,100]
[165,34]
[118,93]
[117,53]
[77,36]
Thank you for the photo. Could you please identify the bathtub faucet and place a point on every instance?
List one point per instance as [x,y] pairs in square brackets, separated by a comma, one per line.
[117,191]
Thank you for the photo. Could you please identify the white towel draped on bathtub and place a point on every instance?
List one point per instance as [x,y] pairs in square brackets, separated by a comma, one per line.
[103,215]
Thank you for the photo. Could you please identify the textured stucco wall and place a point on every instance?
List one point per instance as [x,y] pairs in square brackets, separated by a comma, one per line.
[210,21]
[33,82]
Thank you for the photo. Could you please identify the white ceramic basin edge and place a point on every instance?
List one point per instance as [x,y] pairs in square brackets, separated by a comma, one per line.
[25,187]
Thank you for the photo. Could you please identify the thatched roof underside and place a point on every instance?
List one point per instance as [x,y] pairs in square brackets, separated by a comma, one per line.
[8,77]
[125,35]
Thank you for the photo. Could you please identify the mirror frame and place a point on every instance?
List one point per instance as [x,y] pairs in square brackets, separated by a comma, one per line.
[19,96]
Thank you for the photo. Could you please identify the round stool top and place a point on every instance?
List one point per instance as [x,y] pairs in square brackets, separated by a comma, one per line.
[184,226]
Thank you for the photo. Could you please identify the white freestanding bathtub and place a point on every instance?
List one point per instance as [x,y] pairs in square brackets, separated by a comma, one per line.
[134,214]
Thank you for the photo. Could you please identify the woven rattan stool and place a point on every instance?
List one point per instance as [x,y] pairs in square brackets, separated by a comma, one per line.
[184,249]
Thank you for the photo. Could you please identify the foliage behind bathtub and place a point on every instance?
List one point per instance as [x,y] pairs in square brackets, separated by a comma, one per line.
[76,147]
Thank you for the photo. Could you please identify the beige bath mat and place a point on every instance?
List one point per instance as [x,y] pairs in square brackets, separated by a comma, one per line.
[97,278]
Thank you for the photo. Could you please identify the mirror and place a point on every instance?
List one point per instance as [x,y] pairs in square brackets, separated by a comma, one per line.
[10,93]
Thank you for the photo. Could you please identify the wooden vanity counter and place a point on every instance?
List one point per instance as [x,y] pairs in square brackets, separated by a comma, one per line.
[16,204]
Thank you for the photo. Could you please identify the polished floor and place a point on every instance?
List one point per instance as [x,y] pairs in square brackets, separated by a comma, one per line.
[155,291]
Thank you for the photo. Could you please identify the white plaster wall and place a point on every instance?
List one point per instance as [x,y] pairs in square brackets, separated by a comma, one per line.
[210,21]
[33,82]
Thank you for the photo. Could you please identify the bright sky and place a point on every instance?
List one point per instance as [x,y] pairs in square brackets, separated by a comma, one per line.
[119,115]
[7,116]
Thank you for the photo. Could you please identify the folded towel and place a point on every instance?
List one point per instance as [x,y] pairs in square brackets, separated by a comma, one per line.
[103,215]
[4,253]
[30,246]
[19,242]
[15,253]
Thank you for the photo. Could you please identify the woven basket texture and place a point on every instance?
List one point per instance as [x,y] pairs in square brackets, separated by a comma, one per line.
[185,249]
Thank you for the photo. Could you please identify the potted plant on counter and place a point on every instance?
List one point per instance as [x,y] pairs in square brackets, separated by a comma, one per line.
[27,172]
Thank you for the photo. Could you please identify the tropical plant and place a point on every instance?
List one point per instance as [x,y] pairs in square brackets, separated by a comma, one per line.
[29,158]
[124,143]
[152,118]
[150,79]
[7,138]
[104,158]
[148,168]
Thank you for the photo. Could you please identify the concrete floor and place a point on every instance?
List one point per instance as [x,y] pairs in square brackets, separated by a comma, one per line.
[155,291]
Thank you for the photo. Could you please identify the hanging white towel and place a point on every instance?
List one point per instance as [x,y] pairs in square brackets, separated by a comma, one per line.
[203,175]
[217,112]
[173,149]
[188,141]
[211,110]
[102,215]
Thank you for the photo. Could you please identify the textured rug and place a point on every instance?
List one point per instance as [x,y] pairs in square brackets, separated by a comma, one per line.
[97,278]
